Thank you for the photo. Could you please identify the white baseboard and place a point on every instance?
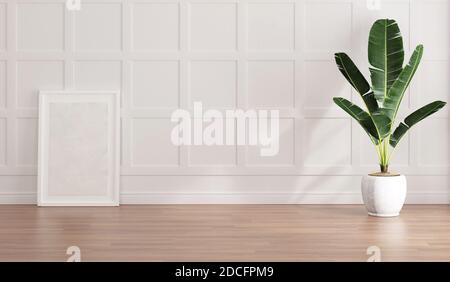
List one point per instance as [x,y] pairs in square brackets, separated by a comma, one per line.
[18,198]
[241,198]
[304,198]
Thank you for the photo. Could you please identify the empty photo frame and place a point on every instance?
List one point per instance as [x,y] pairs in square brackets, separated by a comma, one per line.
[79,145]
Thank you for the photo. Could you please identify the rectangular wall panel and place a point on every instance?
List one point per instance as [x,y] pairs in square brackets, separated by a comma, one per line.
[3,19]
[2,142]
[3,84]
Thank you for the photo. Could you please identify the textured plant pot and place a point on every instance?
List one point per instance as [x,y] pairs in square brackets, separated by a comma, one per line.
[383,196]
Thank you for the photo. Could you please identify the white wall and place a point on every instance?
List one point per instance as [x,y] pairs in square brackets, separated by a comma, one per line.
[241,53]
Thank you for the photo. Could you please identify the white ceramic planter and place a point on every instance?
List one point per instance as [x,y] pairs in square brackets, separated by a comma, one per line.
[384,195]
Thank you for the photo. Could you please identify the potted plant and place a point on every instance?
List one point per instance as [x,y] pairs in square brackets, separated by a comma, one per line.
[384,192]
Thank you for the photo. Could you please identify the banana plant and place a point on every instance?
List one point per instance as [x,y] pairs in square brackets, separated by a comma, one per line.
[390,80]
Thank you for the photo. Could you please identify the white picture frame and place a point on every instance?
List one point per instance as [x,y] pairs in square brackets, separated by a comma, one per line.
[79,148]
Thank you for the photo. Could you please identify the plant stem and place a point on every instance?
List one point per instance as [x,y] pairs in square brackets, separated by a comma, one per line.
[377,147]
[384,168]
[383,155]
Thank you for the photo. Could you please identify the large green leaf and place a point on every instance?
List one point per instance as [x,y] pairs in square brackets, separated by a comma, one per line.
[385,56]
[398,134]
[414,118]
[357,80]
[361,116]
[395,94]
[382,123]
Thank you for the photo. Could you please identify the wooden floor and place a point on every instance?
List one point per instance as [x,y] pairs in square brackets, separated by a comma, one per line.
[222,233]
